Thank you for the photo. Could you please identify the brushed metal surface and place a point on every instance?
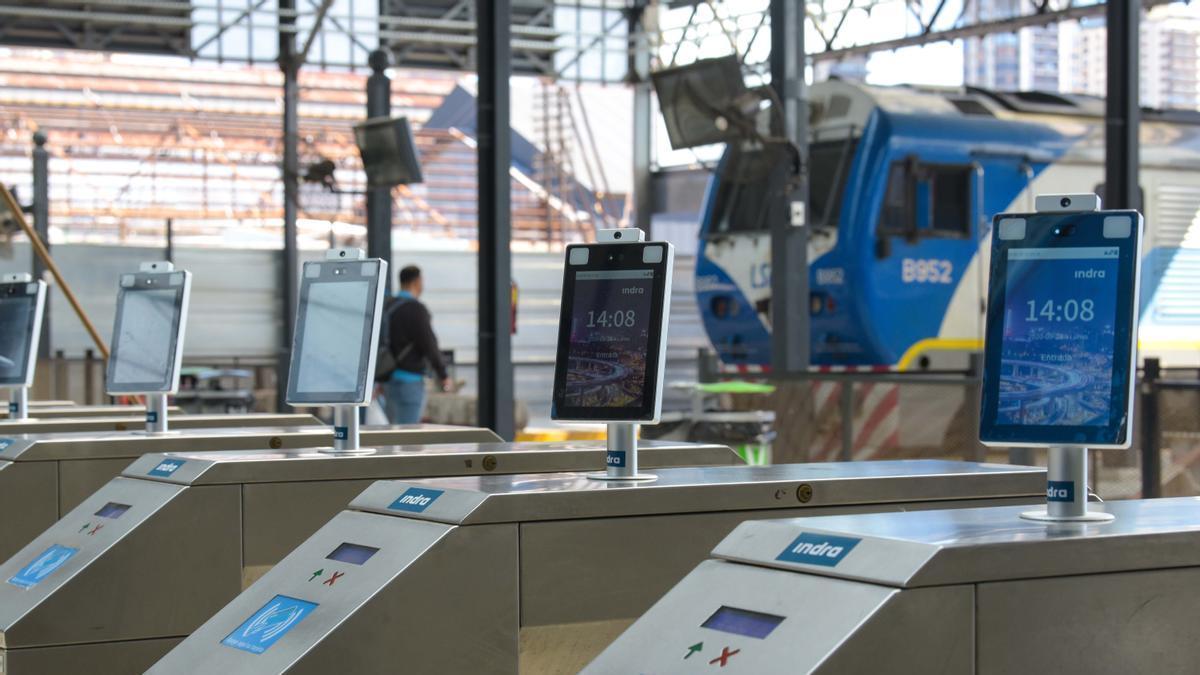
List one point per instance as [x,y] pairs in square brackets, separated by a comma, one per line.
[386,615]
[76,411]
[118,657]
[28,502]
[487,499]
[827,627]
[138,423]
[449,458]
[974,545]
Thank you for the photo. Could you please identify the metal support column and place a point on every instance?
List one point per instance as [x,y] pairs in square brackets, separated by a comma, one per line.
[289,63]
[379,200]
[639,78]
[789,224]
[41,225]
[1151,429]
[1123,113]
[494,64]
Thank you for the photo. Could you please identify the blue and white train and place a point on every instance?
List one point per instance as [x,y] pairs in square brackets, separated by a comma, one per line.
[903,186]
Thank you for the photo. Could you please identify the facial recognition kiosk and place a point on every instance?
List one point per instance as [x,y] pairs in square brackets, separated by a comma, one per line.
[22,301]
[537,573]
[991,591]
[142,562]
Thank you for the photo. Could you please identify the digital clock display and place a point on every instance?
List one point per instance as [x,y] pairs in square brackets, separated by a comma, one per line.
[1060,313]
[610,338]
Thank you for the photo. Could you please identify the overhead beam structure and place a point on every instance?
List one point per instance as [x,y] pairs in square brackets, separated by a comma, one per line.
[494,284]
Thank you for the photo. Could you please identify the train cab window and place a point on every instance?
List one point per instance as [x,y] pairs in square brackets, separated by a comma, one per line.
[828,166]
[741,203]
[927,200]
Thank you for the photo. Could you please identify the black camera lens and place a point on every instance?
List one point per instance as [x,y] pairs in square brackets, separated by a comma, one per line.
[1065,202]
[616,235]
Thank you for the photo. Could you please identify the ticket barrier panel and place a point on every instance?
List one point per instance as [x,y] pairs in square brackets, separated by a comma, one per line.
[529,574]
[145,560]
[970,591]
[79,411]
[43,477]
[37,425]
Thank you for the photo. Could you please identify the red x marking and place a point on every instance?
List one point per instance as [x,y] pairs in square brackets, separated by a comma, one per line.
[331,580]
[725,656]
[96,529]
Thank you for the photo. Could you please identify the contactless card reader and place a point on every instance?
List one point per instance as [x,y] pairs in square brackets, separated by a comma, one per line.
[22,302]
[336,339]
[1061,339]
[612,340]
[147,343]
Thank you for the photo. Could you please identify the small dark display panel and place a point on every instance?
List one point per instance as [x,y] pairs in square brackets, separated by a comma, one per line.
[354,554]
[743,622]
[1061,327]
[112,510]
[17,312]
[610,334]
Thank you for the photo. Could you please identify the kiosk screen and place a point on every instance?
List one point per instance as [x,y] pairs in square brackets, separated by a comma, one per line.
[611,333]
[147,334]
[17,316]
[1060,330]
[336,333]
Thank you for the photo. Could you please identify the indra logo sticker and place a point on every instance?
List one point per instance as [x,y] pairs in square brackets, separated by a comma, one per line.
[42,566]
[341,433]
[825,550]
[616,458]
[166,467]
[1060,491]
[13,408]
[415,500]
[151,417]
[266,626]
[5,443]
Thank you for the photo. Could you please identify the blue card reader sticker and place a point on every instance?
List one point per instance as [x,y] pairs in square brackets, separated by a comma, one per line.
[269,624]
[42,566]
[166,467]
[415,500]
[811,548]
[5,443]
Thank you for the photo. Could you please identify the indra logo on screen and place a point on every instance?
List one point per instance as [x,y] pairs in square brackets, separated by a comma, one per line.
[818,549]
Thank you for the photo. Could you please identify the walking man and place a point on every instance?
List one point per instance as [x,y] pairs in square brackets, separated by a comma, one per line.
[409,331]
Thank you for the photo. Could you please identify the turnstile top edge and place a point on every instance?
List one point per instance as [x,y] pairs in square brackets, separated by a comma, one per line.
[947,547]
[518,498]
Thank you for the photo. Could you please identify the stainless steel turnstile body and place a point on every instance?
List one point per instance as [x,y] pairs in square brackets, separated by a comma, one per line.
[78,411]
[532,574]
[10,428]
[972,591]
[43,477]
[194,528]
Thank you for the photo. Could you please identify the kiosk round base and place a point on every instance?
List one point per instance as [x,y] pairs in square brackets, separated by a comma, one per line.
[1086,517]
[603,475]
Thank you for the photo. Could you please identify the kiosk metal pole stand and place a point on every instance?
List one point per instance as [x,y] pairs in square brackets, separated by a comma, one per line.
[156,413]
[621,459]
[1067,488]
[345,432]
[18,406]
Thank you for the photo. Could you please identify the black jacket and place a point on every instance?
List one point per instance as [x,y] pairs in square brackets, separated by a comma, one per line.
[411,324]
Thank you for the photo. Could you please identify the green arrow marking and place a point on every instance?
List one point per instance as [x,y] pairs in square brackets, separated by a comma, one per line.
[317,574]
[694,649]
[85,527]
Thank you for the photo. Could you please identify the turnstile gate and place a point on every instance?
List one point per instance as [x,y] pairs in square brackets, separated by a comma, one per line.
[970,591]
[44,477]
[532,574]
[111,422]
[146,559]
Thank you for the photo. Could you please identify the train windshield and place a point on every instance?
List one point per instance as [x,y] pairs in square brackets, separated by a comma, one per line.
[748,178]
